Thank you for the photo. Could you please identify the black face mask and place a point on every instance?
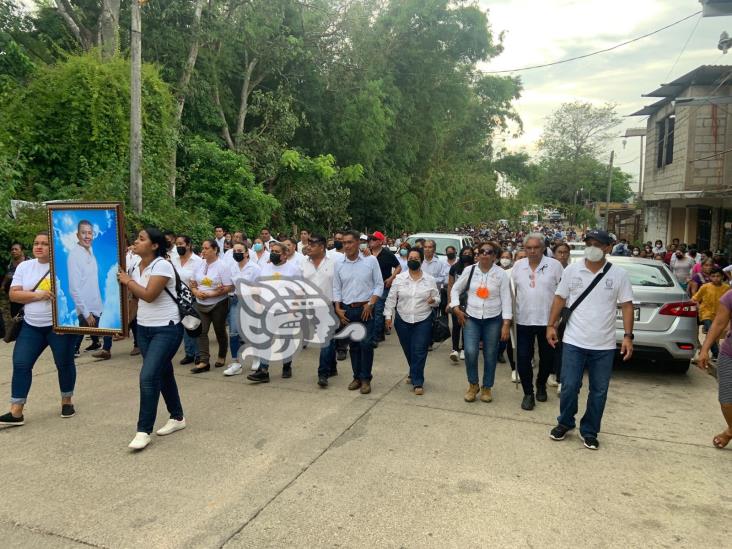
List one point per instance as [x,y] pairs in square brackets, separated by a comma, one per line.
[330,247]
[338,245]
[238,256]
[467,259]
[275,258]
[413,264]
[451,256]
[181,250]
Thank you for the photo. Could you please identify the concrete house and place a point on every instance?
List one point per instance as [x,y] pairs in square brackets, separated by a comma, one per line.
[687,172]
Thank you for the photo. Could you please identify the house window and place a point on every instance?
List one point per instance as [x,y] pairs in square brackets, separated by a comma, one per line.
[665,130]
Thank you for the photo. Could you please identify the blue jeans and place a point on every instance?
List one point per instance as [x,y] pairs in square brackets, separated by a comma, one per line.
[327,363]
[379,321]
[31,342]
[190,344]
[233,322]
[158,345]
[415,340]
[599,365]
[487,330]
[715,346]
[362,352]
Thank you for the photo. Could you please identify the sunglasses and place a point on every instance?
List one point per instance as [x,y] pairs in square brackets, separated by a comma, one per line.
[486,252]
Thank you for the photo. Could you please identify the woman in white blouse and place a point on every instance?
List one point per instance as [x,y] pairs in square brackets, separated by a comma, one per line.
[210,286]
[414,295]
[31,287]
[186,263]
[486,317]
[260,255]
[159,333]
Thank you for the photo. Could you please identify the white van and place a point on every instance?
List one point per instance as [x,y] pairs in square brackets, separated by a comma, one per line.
[443,240]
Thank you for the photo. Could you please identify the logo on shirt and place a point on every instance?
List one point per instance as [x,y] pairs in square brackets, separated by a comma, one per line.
[277,315]
[609,283]
[575,284]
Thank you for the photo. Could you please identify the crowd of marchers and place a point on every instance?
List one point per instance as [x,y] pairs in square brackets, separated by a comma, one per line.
[507,295]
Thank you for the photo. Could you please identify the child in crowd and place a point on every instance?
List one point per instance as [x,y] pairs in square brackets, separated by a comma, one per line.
[708,297]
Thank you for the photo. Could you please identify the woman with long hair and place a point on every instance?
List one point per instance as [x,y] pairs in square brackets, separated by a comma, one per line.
[465,259]
[31,288]
[159,334]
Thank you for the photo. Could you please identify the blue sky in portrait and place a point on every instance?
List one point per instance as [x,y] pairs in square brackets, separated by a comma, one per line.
[105,249]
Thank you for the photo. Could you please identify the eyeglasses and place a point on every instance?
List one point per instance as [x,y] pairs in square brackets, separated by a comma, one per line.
[486,252]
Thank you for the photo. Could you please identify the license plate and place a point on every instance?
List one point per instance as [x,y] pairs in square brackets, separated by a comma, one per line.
[636,313]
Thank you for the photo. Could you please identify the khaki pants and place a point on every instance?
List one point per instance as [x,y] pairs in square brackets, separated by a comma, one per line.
[217,317]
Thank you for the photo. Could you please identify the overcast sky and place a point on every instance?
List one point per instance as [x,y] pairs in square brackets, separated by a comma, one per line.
[543,31]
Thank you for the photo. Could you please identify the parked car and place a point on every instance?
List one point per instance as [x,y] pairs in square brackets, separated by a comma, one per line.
[443,240]
[665,319]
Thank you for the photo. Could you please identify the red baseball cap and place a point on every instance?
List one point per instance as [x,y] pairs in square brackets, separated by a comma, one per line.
[378,235]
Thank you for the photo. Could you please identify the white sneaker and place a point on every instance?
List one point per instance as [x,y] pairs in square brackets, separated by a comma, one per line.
[462,355]
[172,426]
[454,356]
[255,365]
[552,381]
[514,376]
[559,389]
[233,369]
[140,441]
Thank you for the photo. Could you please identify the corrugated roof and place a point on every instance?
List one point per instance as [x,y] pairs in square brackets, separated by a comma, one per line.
[705,75]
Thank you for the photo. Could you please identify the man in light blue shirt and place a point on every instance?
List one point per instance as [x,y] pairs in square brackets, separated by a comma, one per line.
[357,286]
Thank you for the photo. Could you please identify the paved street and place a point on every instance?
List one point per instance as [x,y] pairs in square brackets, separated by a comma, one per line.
[290,465]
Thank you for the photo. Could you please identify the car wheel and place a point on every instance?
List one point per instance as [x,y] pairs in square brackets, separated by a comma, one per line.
[680,366]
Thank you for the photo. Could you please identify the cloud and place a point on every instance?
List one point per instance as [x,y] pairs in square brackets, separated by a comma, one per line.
[111,314]
[559,29]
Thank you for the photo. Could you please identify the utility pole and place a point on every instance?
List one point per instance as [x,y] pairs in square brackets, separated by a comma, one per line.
[136,108]
[609,190]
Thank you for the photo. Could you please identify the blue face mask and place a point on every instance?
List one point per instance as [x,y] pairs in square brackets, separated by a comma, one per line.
[403,252]
[258,247]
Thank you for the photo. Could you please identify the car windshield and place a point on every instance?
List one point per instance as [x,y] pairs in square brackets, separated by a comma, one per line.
[642,274]
[442,243]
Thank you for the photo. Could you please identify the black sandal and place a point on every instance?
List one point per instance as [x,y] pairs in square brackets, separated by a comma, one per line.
[200,369]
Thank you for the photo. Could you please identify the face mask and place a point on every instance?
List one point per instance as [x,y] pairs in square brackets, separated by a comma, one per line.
[593,253]
[451,256]
[258,247]
[467,259]
[329,247]
[238,256]
[505,262]
[403,252]
[362,246]
[181,250]
[413,264]
[636,252]
[275,258]
[338,245]
[679,254]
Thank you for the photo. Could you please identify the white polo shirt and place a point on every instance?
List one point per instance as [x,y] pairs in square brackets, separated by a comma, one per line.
[210,277]
[188,271]
[592,324]
[322,275]
[535,290]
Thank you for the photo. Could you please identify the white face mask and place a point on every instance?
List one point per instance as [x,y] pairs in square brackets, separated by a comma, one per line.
[594,254]
[636,252]
[505,262]
[362,246]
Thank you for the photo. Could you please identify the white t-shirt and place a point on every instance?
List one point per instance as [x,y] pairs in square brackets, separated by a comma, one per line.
[592,324]
[27,275]
[297,259]
[283,269]
[322,276]
[212,276]
[249,273]
[335,255]
[164,308]
[259,260]
[188,271]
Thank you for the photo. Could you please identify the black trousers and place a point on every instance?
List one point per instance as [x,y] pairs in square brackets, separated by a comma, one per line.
[525,336]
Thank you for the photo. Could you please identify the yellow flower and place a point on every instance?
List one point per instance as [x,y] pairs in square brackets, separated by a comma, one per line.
[207,282]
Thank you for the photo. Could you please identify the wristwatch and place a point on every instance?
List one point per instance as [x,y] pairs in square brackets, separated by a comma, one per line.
[629,336]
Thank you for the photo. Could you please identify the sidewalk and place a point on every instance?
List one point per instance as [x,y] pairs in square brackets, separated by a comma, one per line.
[290,465]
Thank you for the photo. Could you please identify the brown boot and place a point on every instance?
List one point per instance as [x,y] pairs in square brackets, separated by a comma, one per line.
[355,384]
[485,394]
[365,387]
[472,392]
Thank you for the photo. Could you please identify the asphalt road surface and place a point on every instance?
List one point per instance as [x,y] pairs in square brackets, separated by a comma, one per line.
[290,465]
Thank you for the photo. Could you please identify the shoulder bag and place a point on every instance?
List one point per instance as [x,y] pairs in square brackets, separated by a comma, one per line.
[464,293]
[13,328]
[566,312]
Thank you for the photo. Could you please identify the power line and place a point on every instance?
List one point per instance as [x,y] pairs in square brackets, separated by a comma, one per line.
[683,48]
[532,67]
